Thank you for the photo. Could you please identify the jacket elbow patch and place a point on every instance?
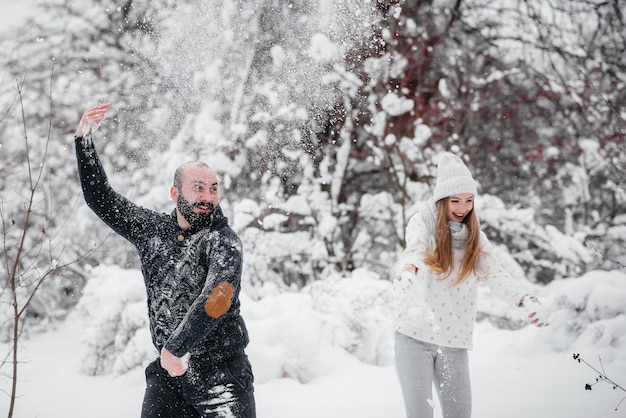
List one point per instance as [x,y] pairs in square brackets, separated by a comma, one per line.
[218,302]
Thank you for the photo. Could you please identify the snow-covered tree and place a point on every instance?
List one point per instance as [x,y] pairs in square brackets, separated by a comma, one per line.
[323,117]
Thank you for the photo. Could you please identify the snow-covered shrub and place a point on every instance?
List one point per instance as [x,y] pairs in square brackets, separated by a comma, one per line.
[302,239]
[300,335]
[285,336]
[588,311]
[544,252]
[609,242]
[114,308]
[133,343]
[358,311]
[280,242]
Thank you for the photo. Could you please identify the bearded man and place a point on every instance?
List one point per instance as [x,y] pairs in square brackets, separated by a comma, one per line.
[191,262]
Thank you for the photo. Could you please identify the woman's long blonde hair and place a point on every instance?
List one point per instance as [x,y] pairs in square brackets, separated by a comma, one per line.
[441,261]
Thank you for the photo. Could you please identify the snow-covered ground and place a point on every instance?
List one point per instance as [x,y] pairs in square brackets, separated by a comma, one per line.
[515,374]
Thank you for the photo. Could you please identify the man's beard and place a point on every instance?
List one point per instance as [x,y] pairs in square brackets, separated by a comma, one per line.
[196,220]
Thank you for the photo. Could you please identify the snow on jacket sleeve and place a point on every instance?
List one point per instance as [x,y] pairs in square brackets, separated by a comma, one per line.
[219,298]
[119,213]
[491,273]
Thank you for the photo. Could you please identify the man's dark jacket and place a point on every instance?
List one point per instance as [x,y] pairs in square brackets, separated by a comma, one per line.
[181,268]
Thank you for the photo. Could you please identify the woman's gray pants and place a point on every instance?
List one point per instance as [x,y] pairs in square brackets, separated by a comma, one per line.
[419,364]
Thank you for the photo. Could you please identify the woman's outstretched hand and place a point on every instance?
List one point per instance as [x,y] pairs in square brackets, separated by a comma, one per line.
[91,119]
[538,314]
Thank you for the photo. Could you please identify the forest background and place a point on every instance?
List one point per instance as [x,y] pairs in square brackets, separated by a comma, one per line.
[323,119]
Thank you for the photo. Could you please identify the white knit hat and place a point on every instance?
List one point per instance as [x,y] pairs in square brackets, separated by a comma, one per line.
[453,177]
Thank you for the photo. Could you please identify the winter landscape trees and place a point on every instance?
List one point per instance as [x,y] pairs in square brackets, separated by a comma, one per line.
[323,118]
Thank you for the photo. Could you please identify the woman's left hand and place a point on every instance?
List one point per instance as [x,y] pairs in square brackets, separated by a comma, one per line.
[537,312]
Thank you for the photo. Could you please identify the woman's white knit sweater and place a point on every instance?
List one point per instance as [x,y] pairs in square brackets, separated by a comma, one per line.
[435,311]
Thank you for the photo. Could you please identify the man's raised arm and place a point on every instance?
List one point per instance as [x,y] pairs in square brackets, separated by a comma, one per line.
[122,215]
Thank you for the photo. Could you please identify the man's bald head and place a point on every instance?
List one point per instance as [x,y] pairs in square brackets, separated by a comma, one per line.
[180,171]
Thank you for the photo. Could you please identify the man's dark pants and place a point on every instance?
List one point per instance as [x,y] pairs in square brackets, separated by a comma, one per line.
[206,390]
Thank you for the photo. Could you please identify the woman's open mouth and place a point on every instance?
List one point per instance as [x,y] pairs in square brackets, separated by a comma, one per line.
[458,216]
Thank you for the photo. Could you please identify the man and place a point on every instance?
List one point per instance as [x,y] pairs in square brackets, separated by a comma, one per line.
[191,263]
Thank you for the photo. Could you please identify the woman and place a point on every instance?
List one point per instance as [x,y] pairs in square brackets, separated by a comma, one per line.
[445,258]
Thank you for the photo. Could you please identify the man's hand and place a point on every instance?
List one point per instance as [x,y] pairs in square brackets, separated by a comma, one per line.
[175,366]
[91,119]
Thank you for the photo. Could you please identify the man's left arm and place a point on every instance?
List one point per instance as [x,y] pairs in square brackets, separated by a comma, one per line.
[220,290]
